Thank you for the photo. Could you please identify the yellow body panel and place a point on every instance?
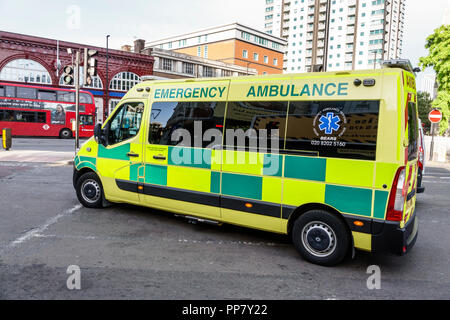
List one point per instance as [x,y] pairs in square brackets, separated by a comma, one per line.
[188,178]
[255,221]
[350,172]
[272,189]
[362,241]
[311,192]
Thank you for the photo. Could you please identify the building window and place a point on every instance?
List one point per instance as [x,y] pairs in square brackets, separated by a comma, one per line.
[245,54]
[188,68]
[25,70]
[166,64]
[206,52]
[227,73]
[255,56]
[199,51]
[266,59]
[245,35]
[208,72]
[124,81]
[275,62]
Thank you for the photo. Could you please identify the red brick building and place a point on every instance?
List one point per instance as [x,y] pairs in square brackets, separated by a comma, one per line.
[30,59]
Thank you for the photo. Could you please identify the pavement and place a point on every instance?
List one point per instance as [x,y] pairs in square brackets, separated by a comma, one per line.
[40,150]
[129,252]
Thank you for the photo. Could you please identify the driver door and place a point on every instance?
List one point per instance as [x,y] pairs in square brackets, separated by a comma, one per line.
[120,162]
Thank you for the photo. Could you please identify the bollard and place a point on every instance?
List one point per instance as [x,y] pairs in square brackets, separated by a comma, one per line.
[6,138]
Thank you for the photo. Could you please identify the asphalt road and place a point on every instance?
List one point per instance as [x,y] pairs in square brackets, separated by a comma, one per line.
[127,252]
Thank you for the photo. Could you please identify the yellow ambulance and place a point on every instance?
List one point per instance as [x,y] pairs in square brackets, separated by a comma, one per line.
[329,159]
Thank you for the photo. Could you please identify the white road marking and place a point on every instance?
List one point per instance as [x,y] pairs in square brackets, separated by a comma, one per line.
[52,236]
[36,231]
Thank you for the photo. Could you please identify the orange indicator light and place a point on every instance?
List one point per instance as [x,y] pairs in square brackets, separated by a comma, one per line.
[358,223]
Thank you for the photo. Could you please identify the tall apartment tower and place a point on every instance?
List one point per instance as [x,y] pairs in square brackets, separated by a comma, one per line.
[334,35]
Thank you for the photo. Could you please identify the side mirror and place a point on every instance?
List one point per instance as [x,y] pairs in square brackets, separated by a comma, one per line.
[97,131]
[99,134]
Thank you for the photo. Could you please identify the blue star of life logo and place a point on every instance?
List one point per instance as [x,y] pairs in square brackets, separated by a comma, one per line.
[329,123]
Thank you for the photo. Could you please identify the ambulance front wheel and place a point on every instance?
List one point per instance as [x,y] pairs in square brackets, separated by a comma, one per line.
[90,190]
[321,237]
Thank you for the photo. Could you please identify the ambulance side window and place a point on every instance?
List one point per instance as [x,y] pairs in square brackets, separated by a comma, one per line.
[126,122]
[185,123]
[337,129]
[253,125]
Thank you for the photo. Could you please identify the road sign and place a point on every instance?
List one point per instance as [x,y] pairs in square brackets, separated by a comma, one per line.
[435,116]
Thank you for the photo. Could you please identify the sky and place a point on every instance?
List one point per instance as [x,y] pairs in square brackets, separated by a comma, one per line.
[88,21]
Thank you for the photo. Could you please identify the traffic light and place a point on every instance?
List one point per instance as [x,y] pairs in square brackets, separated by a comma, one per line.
[90,66]
[68,75]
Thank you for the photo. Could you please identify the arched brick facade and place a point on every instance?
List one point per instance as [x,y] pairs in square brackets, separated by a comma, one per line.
[44,51]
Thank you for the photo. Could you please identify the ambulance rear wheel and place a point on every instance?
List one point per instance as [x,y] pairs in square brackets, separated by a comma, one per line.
[90,190]
[321,237]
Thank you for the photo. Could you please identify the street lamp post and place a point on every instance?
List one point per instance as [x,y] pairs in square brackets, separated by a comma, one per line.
[107,77]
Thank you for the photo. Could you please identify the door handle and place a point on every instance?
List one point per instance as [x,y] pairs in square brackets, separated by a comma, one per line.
[159,157]
[134,155]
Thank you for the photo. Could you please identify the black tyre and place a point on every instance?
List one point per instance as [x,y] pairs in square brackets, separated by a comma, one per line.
[65,134]
[90,190]
[321,237]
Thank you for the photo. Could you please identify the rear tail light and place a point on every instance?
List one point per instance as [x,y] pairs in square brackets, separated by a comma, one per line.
[398,196]
[421,154]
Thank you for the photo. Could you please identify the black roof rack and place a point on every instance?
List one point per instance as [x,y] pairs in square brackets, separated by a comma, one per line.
[404,64]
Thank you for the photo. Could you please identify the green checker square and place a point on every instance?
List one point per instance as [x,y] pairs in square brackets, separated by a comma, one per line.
[215,182]
[349,200]
[305,168]
[242,186]
[379,208]
[156,174]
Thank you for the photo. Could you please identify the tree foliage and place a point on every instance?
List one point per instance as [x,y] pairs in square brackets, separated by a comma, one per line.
[425,105]
[438,45]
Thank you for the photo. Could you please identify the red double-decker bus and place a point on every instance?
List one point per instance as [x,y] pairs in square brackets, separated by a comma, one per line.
[31,110]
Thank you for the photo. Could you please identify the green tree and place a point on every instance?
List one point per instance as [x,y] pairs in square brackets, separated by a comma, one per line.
[424,103]
[438,45]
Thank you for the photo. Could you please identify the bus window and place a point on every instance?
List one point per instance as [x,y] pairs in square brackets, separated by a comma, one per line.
[167,117]
[9,115]
[41,118]
[86,120]
[47,95]
[339,129]
[412,132]
[25,116]
[85,98]
[66,96]
[2,91]
[26,93]
[10,92]
[256,115]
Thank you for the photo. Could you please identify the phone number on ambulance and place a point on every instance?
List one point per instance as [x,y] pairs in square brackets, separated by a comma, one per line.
[328,143]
